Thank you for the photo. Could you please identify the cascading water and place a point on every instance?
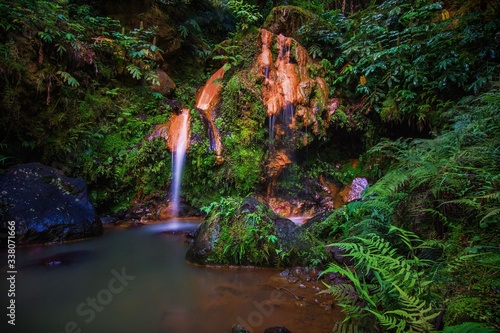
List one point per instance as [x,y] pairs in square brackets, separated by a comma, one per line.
[292,97]
[176,133]
[179,147]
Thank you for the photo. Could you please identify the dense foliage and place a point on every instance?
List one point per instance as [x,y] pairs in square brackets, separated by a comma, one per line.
[247,234]
[446,190]
[78,92]
[407,60]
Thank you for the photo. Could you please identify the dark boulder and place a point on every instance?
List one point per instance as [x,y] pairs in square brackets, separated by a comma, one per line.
[45,205]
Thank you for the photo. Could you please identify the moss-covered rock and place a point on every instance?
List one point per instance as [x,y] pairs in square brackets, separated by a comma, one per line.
[287,20]
[247,232]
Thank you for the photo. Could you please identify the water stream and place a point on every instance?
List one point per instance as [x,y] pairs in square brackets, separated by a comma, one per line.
[178,157]
[136,281]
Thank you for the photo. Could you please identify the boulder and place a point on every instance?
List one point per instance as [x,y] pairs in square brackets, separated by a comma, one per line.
[166,85]
[272,235]
[239,329]
[351,192]
[287,20]
[45,205]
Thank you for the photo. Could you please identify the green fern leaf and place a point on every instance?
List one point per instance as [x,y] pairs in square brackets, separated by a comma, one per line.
[68,79]
[135,71]
[469,327]
[345,327]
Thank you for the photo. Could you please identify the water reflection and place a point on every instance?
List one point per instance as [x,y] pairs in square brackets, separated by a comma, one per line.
[136,280]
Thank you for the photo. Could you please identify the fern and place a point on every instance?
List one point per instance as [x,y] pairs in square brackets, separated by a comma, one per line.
[390,184]
[183,30]
[469,328]
[68,79]
[134,71]
[345,327]
[392,286]
[315,51]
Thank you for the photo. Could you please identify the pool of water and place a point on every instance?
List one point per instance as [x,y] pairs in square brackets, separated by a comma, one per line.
[136,280]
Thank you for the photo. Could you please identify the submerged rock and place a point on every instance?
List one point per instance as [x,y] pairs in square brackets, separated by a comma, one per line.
[45,205]
[239,329]
[277,329]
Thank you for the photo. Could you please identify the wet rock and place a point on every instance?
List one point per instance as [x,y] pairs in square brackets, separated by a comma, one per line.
[287,20]
[277,329]
[239,329]
[136,224]
[202,247]
[289,237]
[108,219]
[165,84]
[286,272]
[46,205]
[351,192]
[206,101]
[339,255]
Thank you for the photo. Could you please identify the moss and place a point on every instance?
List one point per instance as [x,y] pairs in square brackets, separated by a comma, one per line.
[247,232]
[287,20]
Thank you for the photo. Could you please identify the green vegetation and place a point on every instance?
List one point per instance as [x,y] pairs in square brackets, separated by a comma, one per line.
[407,60]
[446,190]
[250,233]
[417,102]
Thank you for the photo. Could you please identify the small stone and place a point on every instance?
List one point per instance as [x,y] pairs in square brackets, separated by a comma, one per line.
[239,329]
[286,272]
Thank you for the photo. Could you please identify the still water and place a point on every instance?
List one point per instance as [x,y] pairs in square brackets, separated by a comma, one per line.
[136,281]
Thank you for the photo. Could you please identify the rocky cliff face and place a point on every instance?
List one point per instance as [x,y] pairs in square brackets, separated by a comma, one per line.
[296,100]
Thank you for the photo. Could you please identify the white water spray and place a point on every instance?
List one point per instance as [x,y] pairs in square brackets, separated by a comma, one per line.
[178,157]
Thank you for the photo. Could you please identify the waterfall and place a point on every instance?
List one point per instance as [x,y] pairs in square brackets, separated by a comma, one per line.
[178,156]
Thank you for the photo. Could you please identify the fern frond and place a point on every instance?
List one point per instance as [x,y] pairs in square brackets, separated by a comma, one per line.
[359,285]
[492,212]
[469,327]
[67,78]
[390,322]
[390,183]
[345,327]
[408,237]
[420,314]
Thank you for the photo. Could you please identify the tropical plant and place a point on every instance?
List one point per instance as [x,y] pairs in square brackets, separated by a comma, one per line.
[446,188]
[404,60]
[388,288]
[247,14]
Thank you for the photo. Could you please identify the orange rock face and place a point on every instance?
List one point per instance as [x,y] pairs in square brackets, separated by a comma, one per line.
[178,132]
[274,167]
[293,99]
[207,99]
[287,83]
[172,131]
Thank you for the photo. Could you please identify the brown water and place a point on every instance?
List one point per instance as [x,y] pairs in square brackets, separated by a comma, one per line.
[136,280]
